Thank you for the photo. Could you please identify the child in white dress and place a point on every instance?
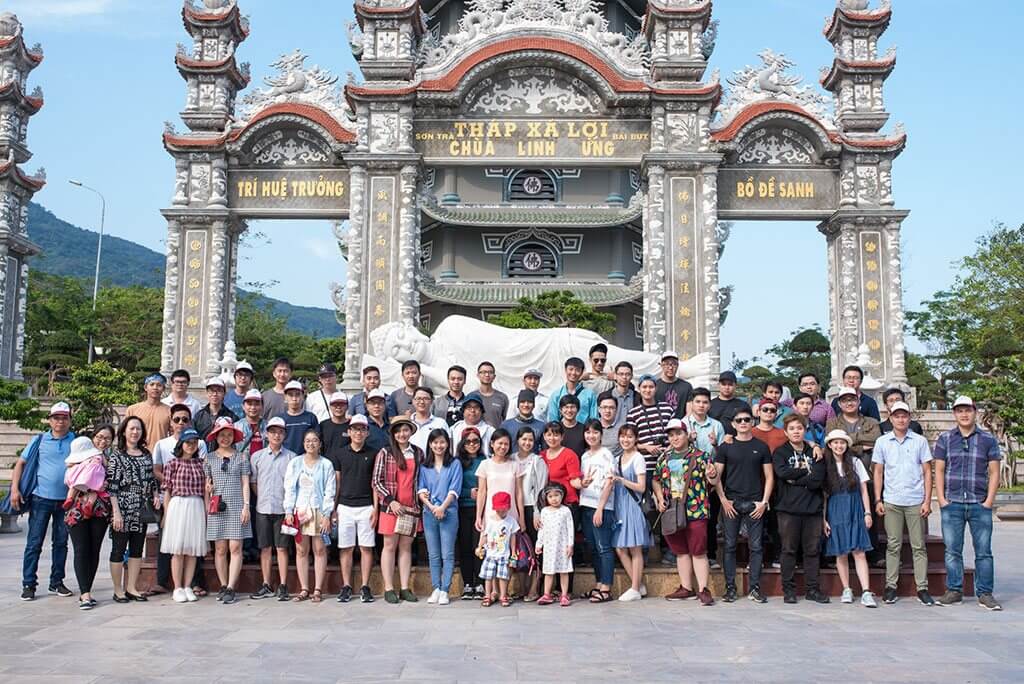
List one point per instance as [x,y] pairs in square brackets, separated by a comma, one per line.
[554,542]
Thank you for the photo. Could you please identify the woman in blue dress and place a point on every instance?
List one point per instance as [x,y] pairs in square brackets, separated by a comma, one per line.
[632,535]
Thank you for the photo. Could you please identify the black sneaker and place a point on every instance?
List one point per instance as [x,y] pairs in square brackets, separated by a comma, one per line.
[730,595]
[229,596]
[220,594]
[467,593]
[889,595]
[345,595]
[789,597]
[817,596]
[756,596]
[60,590]
[478,592]
[28,593]
[263,592]
[282,593]
[925,598]
[365,595]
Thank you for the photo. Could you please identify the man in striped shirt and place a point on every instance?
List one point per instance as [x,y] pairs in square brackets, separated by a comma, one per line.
[650,417]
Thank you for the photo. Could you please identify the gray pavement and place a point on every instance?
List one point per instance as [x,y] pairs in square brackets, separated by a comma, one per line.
[50,640]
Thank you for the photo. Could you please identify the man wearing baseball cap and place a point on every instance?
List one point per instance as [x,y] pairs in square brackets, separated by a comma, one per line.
[297,420]
[376,415]
[268,466]
[726,405]
[966,479]
[355,514]
[37,487]
[153,413]
[318,402]
[234,397]
[902,478]
[531,381]
[890,397]
[214,409]
[853,376]
[334,430]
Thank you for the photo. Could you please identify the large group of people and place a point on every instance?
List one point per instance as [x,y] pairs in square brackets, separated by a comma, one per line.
[513,496]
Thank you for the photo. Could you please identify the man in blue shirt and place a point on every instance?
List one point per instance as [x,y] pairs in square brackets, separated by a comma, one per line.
[43,499]
[853,376]
[297,420]
[524,418]
[588,402]
[966,479]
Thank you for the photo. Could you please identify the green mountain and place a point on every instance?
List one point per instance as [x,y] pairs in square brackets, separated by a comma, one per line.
[71,251]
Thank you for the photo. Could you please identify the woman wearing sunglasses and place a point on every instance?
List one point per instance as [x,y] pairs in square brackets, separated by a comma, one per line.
[227,504]
[471,455]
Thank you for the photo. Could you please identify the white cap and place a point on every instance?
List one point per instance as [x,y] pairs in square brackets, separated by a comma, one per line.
[253,395]
[358,419]
[338,397]
[846,392]
[276,421]
[215,382]
[534,372]
[962,400]
[244,366]
[377,393]
[899,406]
[293,385]
[60,408]
[82,449]
[669,354]
[675,424]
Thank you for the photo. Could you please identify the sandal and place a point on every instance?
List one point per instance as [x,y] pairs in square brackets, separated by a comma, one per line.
[318,596]
[302,596]
[486,602]
[506,602]
[199,591]
[530,598]
[545,600]
[565,601]
[600,596]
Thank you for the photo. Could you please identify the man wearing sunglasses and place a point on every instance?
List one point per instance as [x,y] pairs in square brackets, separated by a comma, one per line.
[596,379]
[745,484]
[766,430]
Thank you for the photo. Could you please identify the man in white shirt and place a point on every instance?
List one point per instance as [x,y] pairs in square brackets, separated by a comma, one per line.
[423,418]
[180,380]
[317,401]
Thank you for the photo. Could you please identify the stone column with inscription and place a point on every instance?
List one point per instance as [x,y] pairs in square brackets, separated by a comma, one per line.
[680,240]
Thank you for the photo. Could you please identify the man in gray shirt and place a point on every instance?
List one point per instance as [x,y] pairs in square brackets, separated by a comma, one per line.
[495,402]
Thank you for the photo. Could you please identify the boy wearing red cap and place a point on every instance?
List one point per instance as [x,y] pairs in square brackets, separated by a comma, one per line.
[497,542]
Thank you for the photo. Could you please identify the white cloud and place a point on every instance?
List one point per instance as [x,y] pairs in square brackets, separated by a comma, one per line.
[323,249]
[28,10]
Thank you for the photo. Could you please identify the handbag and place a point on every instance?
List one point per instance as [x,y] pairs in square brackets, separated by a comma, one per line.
[216,505]
[27,483]
[405,524]
[674,517]
[148,513]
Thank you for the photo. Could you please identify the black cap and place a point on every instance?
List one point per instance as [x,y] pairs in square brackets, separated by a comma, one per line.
[327,369]
[727,376]
[527,395]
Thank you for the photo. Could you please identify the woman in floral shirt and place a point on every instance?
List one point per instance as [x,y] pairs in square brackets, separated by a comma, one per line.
[683,475]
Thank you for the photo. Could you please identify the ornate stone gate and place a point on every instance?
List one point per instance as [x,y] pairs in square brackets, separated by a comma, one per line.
[586,137]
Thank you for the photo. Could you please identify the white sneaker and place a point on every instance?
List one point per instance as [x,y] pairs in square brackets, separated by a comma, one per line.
[630,594]
[867,599]
[179,596]
[643,590]
[433,596]
[442,598]
[190,595]
[847,595]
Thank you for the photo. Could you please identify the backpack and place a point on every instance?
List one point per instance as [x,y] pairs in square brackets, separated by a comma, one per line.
[525,557]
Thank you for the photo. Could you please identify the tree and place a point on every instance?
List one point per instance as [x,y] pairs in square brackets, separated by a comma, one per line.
[807,351]
[129,322]
[1000,396]
[58,321]
[16,405]
[978,320]
[559,309]
[94,390]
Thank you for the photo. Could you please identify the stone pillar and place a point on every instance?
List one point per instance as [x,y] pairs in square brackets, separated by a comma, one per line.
[14,254]
[356,335]
[865,294]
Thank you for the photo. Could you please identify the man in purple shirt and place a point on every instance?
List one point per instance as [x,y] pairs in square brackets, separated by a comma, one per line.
[966,480]
[822,410]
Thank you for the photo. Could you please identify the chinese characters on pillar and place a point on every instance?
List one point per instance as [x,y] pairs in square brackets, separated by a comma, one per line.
[684,266]
[874,313]
[192,311]
[382,220]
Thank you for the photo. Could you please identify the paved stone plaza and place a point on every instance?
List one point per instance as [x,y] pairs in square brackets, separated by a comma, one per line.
[50,640]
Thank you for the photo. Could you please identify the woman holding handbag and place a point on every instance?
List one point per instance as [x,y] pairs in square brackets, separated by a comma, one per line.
[309,487]
[681,479]
[227,503]
[394,482]
[132,488]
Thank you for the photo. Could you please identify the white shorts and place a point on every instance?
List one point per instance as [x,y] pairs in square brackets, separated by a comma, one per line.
[354,527]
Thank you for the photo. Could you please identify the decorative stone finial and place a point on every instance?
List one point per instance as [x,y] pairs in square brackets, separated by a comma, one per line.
[9,25]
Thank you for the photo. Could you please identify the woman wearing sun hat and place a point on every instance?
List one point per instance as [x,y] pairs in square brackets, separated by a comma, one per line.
[227,477]
[184,524]
[394,480]
[87,532]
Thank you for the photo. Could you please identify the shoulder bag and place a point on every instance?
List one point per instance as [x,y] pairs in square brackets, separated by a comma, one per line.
[674,517]
[27,483]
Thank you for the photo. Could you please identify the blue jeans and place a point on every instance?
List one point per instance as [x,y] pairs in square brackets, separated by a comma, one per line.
[39,514]
[440,536]
[600,541]
[956,516]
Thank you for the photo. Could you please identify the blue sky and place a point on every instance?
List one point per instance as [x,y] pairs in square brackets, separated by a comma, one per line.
[110,83]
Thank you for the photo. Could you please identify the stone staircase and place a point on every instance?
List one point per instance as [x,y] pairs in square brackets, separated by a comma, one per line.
[12,440]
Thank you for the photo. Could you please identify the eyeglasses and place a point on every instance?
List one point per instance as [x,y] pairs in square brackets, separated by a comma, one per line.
[598,360]
[746,419]
[769,410]
[472,441]
[179,420]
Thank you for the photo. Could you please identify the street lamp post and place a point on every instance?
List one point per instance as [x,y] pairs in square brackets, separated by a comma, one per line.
[99,251]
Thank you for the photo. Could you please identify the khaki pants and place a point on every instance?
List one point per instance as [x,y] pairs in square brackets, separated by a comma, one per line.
[895,516]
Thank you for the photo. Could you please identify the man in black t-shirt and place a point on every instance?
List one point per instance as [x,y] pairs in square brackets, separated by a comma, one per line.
[744,488]
[725,406]
[569,408]
[671,390]
[334,430]
[356,507]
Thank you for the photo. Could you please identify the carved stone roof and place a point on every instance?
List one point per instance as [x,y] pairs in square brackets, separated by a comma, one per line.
[227,14]
[508,292]
[882,67]
[12,91]
[675,8]
[9,169]
[753,111]
[306,111]
[876,18]
[541,216]
[224,66]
